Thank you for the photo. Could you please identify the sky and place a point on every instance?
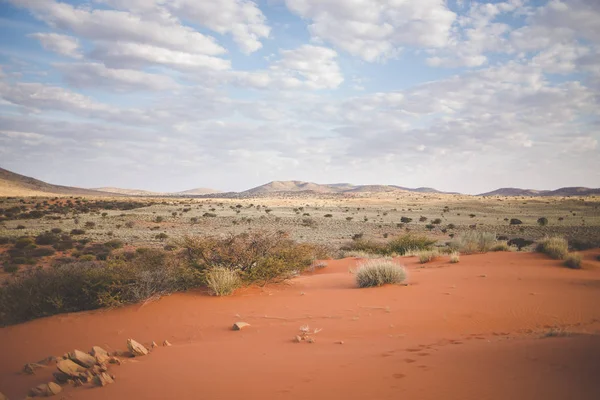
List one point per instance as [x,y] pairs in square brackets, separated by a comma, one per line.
[169,95]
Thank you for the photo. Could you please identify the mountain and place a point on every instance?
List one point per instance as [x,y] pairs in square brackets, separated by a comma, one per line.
[197,192]
[128,192]
[13,184]
[565,191]
[300,186]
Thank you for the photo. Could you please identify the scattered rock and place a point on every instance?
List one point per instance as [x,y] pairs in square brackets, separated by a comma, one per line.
[97,350]
[102,358]
[311,340]
[154,345]
[48,360]
[30,368]
[339,342]
[297,339]
[167,344]
[45,390]
[61,377]
[136,349]
[83,359]
[238,326]
[3,397]
[70,368]
[102,380]
[114,360]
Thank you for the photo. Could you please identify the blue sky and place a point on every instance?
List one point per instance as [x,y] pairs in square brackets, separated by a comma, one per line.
[460,95]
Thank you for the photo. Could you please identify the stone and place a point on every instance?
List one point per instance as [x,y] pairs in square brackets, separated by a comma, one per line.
[114,360]
[48,360]
[136,349]
[70,368]
[238,326]
[297,339]
[61,377]
[83,359]
[167,344]
[154,345]
[30,368]
[45,390]
[97,350]
[102,358]
[102,380]
[3,397]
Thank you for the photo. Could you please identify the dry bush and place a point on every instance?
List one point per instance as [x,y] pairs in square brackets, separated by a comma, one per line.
[474,242]
[555,247]
[501,246]
[454,257]
[379,272]
[258,257]
[397,246]
[222,281]
[426,256]
[573,260]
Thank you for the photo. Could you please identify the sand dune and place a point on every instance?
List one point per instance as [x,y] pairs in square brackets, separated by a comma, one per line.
[472,330]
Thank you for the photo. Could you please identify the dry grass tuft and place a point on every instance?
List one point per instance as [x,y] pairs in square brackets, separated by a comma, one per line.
[573,260]
[427,256]
[379,272]
[454,257]
[555,247]
[222,281]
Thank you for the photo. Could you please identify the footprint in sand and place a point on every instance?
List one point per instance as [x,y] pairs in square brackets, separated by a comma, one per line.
[409,360]
[399,376]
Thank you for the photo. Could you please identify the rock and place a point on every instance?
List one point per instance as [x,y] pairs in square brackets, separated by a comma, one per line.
[136,349]
[97,350]
[297,339]
[238,326]
[61,377]
[48,360]
[83,359]
[45,390]
[114,360]
[102,358]
[70,368]
[167,344]
[102,380]
[311,340]
[30,368]
[154,345]
[3,397]
[340,342]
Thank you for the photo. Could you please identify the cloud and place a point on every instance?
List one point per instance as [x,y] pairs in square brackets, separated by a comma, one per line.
[61,44]
[376,30]
[87,74]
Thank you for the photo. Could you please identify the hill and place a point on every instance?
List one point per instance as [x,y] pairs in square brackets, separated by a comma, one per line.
[300,186]
[13,184]
[565,191]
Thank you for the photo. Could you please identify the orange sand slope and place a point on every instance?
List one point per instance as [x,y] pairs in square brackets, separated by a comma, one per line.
[472,330]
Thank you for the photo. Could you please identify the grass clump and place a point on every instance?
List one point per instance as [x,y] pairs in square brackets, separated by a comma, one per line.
[554,246]
[222,281]
[400,245]
[379,272]
[474,242]
[573,260]
[454,257]
[501,246]
[426,256]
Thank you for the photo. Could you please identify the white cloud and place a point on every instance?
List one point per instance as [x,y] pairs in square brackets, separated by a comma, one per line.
[61,44]
[97,75]
[376,29]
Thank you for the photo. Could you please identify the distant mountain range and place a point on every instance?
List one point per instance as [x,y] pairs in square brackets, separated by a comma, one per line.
[565,191]
[13,184]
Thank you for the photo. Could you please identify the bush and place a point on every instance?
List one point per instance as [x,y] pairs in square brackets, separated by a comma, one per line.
[427,256]
[555,247]
[573,260]
[364,245]
[46,238]
[56,230]
[454,257]
[114,244]
[258,257]
[474,242]
[515,221]
[500,246]
[11,268]
[520,243]
[23,242]
[379,272]
[543,221]
[222,281]
[78,286]
[405,220]
[77,232]
[402,244]
[209,215]
[42,252]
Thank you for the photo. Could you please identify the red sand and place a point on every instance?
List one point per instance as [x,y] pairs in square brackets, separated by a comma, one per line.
[472,330]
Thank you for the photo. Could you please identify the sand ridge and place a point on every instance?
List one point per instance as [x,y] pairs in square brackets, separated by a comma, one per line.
[469,330]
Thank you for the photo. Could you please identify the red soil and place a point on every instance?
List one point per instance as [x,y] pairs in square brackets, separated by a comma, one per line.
[472,330]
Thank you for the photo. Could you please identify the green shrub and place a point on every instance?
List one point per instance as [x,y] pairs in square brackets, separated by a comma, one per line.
[222,281]
[500,246]
[379,272]
[46,238]
[474,242]
[23,242]
[114,244]
[10,268]
[573,260]
[42,252]
[556,247]
[543,221]
[402,244]
[366,246]
[87,257]
[77,232]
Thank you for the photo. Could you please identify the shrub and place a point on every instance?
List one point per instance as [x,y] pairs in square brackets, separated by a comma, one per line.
[474,242]
[328,215]
[364,245]
[402,244]
[20,227]
[555,247]
[209,215]
[162,236]
[23,242]
[258,257]
[543,221]
[427,256]
[46,238]
[114,244]
[90,224]
[454,257]
[222,281]
[573,260]
[42,252]
[129,224]
[379,272]
[520,243]
[159,219]
[436,221]
[405,220]
[515,221]
[77,232]
[56,230]
[500,246]
[11,268]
